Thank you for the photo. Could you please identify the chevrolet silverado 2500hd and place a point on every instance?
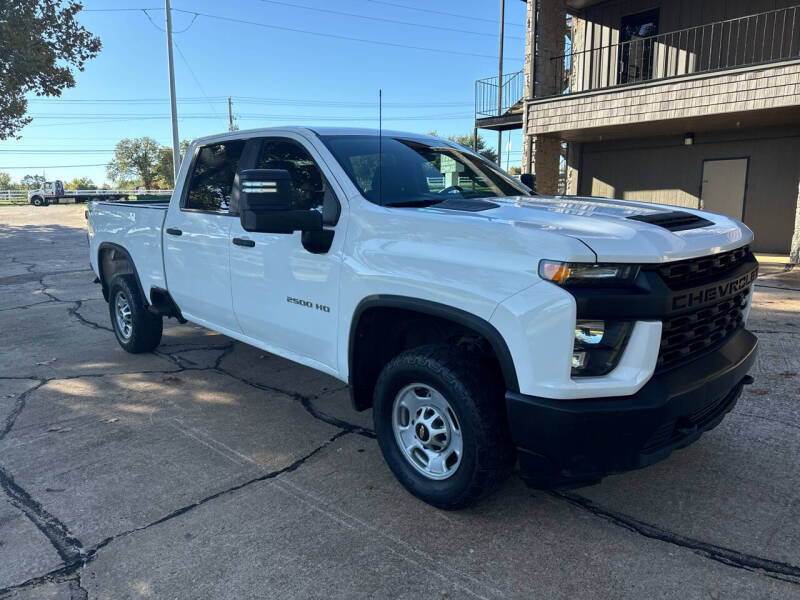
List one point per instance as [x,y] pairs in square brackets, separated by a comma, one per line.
[482,323]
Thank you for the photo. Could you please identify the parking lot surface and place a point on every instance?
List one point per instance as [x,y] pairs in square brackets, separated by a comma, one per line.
[210,469]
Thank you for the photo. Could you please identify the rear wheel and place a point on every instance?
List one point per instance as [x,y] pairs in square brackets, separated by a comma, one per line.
[137,329]
[440,420]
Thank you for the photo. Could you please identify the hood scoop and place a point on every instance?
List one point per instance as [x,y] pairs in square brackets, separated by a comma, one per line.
[676,220]
[466,204]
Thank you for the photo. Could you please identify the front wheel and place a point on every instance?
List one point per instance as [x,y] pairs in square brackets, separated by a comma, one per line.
[440,419]
[37,201]
[137,329]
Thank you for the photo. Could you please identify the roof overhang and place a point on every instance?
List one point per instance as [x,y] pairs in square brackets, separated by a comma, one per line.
[579,5]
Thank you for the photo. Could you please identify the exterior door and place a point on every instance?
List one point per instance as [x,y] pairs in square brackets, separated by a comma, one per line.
[197,238]
[283,295]
[724,186]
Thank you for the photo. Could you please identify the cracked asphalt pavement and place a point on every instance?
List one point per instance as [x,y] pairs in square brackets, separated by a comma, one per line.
[210,469]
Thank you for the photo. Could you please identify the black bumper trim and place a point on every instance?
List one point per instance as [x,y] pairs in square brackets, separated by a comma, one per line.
[566,443]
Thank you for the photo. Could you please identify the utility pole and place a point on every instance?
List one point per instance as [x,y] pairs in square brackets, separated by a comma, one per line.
[176,153]
[500,76]
[230,115]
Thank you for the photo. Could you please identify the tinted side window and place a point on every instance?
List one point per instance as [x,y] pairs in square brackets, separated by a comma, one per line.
[212,177]
[309,185]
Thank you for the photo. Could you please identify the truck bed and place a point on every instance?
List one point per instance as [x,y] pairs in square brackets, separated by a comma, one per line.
[160,204]
[136,228]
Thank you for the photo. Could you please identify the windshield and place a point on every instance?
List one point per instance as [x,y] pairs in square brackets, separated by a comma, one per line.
[414,172]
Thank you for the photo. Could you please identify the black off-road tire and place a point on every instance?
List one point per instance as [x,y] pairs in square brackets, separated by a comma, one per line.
[475,391]
[145,327]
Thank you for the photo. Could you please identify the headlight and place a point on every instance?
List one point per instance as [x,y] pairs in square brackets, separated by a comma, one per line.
[563,273]
[598,346]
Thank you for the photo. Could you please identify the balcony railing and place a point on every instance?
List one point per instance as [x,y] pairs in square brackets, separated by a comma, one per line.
[751,40]
[486,98]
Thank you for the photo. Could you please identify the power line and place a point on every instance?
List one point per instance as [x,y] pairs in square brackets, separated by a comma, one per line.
[381,19]
[53,166]
[57,151]
[143,116]
[191,72]
[119,9]
[334,36]
[248,100]
[437,12]
[328,35]
[153,23]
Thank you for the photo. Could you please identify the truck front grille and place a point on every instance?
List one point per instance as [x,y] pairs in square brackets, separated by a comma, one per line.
[691,333]
[687,273]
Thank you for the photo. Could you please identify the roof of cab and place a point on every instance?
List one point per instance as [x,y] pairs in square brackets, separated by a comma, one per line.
[322,131]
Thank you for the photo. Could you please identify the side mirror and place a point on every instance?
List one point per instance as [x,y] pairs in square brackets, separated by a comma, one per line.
[264,199]
[528,180]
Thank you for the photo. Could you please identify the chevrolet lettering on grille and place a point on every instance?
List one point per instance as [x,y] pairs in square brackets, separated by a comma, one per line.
[718,291]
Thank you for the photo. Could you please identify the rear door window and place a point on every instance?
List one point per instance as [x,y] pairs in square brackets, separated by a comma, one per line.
[212,176]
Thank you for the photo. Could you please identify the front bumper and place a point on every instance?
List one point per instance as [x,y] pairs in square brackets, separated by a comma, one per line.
[568,443]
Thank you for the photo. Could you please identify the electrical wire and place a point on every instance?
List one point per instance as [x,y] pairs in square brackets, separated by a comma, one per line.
[174,32]
[334,36]
[57,151]
[54,166]
[446,14]
[383,19]
[196,80]
[249,100]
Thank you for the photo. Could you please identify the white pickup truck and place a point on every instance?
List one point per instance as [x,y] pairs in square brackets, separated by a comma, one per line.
[483,324]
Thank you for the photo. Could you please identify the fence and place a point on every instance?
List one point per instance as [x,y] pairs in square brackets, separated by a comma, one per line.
[13,196]
[759,38]
[486,94]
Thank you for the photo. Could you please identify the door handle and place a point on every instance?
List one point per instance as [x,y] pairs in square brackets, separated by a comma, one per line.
[172,231]
[244,242]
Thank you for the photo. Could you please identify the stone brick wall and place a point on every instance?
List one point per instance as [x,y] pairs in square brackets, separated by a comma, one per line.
[744,89]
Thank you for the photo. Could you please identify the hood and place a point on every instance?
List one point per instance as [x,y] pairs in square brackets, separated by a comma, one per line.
[616,230]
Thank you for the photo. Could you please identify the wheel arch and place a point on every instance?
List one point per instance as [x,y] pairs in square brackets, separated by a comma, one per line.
[113,259]
[364,363]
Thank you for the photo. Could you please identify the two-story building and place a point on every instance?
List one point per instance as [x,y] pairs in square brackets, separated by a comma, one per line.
[692,103]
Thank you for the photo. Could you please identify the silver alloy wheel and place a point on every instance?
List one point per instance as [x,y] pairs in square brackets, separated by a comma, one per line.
[427,431]
[122,311]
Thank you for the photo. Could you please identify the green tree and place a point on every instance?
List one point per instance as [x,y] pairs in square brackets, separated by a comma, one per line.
[164,171]
[32,182]
[80,183]
[41,45]
[467,141]
[5,182]
[134,159]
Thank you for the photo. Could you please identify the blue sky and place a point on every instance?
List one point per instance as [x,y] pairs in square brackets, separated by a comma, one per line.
[276,73]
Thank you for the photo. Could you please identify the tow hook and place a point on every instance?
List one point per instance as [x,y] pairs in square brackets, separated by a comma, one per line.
[748,380]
